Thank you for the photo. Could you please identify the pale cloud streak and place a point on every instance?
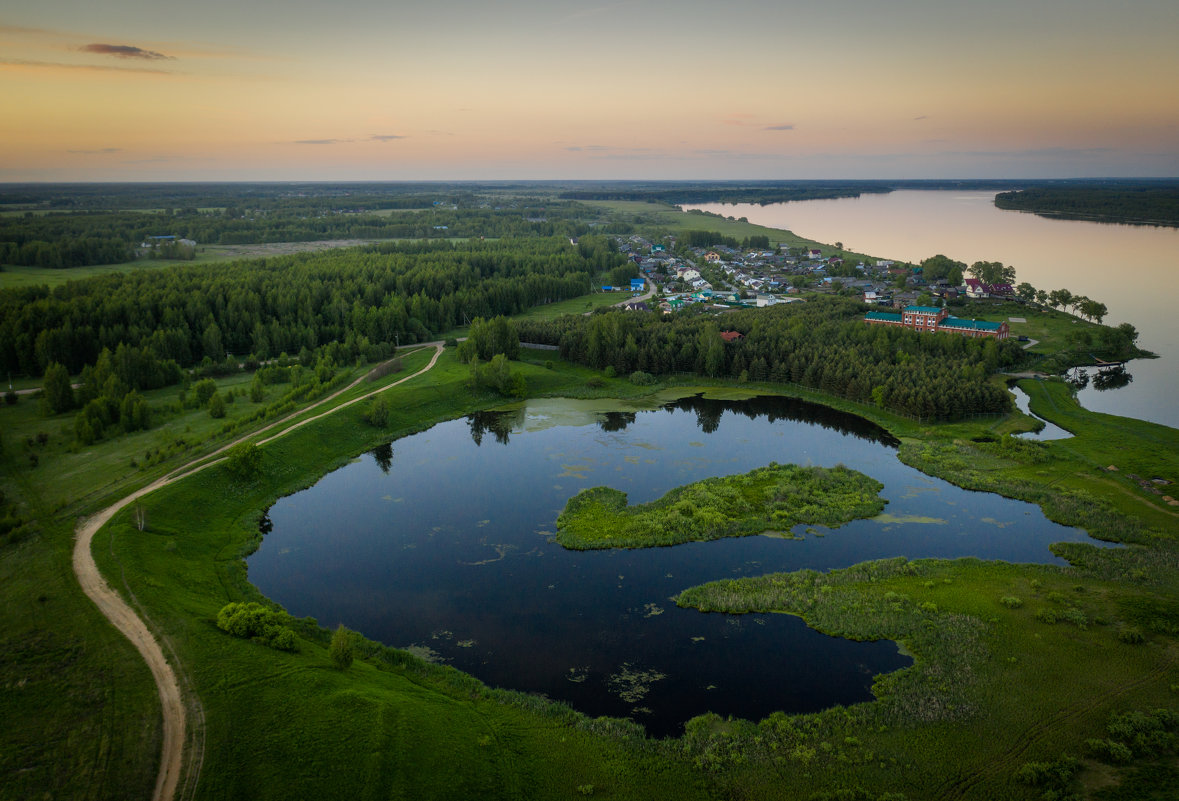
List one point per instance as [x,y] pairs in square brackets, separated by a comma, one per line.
[60,65]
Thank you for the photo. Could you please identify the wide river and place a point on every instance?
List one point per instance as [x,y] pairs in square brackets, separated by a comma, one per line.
[442,544]
[1129,268]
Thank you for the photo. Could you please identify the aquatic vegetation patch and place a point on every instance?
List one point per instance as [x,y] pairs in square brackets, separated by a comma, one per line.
[887,518]
[772,498]
[632,684]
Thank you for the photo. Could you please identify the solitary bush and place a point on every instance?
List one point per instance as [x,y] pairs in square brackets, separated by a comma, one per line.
[1011,602]
[204,389]
[341,649]
[244,459]
[385,368]
[639,378]
[255,622]
[216,406]
[1131,636]
[378,413]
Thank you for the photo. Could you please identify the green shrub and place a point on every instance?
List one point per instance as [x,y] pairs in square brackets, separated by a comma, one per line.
[1011,602]
[1131,636]
[255,622]
[204,389]
[244,459]
[378,413]
[341,649]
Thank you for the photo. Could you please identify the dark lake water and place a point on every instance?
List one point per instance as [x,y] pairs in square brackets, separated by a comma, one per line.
[442,543]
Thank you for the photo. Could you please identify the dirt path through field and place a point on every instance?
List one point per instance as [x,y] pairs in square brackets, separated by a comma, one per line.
[124,618]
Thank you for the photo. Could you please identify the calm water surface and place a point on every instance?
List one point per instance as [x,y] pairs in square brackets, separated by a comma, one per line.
[1129,268]
[443,543]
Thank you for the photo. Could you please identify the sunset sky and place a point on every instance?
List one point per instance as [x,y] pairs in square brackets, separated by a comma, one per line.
[456,89]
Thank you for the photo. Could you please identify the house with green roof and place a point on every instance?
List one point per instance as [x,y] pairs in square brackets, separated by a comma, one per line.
[934,319]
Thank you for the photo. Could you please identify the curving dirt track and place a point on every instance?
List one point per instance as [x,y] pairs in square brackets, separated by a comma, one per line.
[124,618]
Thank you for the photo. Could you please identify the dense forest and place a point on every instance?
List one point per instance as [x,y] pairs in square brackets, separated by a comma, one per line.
[75,239]
[822,344]
[1150,203]
[365,296]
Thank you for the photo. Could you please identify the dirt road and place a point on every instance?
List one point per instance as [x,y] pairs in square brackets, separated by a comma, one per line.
[124,618]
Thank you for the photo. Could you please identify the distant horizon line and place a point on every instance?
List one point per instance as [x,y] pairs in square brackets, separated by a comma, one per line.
[762,181]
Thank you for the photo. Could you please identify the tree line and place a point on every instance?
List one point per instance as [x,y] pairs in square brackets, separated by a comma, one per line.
[366,298]
[822,344]
[1147,204]
[76,239]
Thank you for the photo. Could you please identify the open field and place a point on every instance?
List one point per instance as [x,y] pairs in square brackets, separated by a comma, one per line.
[21,276]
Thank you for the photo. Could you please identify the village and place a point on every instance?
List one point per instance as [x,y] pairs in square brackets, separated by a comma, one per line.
[721,277]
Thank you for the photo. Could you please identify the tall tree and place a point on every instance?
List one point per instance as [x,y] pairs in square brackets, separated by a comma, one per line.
[59,395]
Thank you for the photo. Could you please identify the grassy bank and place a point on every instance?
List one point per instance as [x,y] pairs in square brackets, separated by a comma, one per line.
[776,497]
[1014,664]
[392,725]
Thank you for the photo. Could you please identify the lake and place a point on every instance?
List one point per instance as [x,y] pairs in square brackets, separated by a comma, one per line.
[442,543]
[1129,268]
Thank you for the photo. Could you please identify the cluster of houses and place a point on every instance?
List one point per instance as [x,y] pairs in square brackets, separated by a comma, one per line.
[746,278]
[767,277]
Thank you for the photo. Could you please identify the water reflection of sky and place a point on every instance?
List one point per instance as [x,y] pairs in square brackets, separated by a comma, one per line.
[449,551]
[1049,431]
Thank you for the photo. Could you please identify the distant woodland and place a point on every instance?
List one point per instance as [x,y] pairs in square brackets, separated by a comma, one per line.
[364,297]
[1146,204]
[77,239]
[761,193]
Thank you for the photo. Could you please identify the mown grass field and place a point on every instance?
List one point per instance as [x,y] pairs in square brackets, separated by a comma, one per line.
[15,276]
